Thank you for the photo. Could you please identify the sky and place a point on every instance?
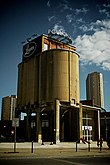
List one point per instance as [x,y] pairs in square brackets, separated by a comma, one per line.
[87,22]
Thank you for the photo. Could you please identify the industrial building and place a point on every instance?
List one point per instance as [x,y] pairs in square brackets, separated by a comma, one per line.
[48,86]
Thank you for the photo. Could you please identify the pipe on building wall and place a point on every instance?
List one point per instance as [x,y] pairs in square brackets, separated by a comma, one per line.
[80,120]
[39,127]
[57,106]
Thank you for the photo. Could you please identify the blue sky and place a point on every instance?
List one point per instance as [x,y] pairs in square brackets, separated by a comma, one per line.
[87,22]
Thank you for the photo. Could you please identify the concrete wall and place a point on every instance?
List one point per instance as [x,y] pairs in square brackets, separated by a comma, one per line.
[59,76]
[28,82]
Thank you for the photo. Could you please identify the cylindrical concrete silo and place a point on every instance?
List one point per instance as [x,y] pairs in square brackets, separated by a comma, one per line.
[58,76]
[28,82]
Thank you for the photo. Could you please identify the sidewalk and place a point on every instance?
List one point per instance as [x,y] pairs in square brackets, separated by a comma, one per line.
[47,145]
[47,150]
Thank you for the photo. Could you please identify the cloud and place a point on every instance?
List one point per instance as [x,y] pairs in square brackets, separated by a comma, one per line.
[104,9]
[58,28]
[64,12]
[95,48]
[80,20]
[96,26]
[64,5]
[81,10]
[69,18]
[93,41]
[48,4]
[106,6]
[50,18]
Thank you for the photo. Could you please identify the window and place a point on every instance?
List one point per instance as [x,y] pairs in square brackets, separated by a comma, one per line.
[45,47]
[45,123]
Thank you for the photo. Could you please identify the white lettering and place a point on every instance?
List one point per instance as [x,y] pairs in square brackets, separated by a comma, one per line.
[29,49]
[60,32]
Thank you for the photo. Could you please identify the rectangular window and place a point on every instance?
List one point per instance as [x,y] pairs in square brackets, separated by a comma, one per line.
[45,47]
[45,123]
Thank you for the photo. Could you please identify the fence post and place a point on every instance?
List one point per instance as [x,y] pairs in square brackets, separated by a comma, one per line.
[100,146]
[32,147]
[89,146]
[76,146]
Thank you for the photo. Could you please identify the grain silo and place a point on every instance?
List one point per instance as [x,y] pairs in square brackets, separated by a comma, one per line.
[59,76]
[48,84]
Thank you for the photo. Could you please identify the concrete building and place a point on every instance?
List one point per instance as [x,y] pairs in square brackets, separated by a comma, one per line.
[49,78]
[105,125]
[95,89]
[8,107]
[48,85]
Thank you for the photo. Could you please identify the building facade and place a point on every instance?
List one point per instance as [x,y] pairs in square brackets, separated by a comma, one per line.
[48,86]
[8,107]
[105,125]
[95,89]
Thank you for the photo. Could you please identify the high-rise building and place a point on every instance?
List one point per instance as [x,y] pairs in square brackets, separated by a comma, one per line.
[95,89]
[8,107]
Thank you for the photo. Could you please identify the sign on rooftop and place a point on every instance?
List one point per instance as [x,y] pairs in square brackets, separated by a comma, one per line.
[60,34]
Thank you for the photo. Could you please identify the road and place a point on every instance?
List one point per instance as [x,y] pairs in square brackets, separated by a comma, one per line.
[56,161]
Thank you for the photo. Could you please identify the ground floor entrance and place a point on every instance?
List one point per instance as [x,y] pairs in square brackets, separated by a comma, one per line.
[61,123]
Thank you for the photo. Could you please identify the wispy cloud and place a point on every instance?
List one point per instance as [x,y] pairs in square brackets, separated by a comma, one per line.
[104,9]
[58,27]
[96,26]
[106,5]
[50,18]
[95,48]
[64,5]
[65,10]
[81,10]
[48,4]
[69,18]
[80,20]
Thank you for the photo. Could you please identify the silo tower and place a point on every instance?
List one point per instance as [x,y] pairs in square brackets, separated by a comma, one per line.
[48,84]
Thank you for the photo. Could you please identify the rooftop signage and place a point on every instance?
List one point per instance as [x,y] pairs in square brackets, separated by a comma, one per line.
[62,35]
[29,49]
